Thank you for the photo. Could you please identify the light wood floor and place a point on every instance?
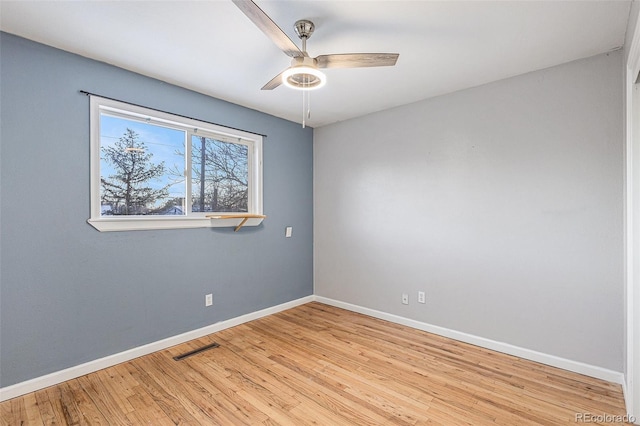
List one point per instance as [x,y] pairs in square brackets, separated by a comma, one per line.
[316,364]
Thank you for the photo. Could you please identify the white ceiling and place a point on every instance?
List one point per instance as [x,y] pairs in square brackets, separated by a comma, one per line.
[213,48]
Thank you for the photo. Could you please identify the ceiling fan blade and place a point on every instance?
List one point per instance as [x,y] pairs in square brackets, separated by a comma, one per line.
[274,82]
[357,60]
[267,26]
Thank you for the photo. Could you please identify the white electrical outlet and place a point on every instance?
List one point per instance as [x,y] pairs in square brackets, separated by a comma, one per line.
[208,300]
[288,231]
[405,299]
[422,297]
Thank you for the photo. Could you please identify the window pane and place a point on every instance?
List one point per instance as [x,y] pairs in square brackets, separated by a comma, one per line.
[220,175]
[141,168]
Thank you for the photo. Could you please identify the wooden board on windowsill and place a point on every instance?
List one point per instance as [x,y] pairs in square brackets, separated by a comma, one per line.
[243,216]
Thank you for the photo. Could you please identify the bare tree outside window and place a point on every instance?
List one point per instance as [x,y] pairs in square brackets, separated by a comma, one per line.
[220,174]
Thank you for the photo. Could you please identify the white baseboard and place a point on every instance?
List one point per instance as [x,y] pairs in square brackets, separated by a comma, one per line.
[629,403]
[79,370]
[552,360]
[111,360]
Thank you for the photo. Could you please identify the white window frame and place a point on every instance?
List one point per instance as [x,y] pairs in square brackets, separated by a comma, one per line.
[191,126]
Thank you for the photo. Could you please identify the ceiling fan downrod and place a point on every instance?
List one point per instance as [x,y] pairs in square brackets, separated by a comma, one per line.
[304,28]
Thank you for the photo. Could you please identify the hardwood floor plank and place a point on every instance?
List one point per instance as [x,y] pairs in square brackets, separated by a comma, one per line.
[105,400]
[32,410]
[320,365]
[145,410]
[119,384]
[88,411]
[14,412]
[64,396]
[47,414]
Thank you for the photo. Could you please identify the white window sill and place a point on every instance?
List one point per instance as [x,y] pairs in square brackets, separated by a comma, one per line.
[107,224]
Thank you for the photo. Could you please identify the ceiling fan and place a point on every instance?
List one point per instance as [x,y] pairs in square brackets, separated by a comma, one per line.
[304,72]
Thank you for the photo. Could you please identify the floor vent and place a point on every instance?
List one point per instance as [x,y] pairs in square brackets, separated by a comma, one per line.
[195,351]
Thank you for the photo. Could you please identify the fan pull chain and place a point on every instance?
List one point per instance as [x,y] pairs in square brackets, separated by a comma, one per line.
[306,107]
[304,95]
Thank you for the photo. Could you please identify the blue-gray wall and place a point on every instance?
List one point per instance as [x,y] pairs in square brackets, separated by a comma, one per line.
[70,294]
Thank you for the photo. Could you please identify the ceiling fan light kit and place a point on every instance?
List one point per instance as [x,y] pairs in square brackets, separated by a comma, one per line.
[304,74]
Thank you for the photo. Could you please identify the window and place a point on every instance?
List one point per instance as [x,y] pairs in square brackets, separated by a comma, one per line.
[153,170]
